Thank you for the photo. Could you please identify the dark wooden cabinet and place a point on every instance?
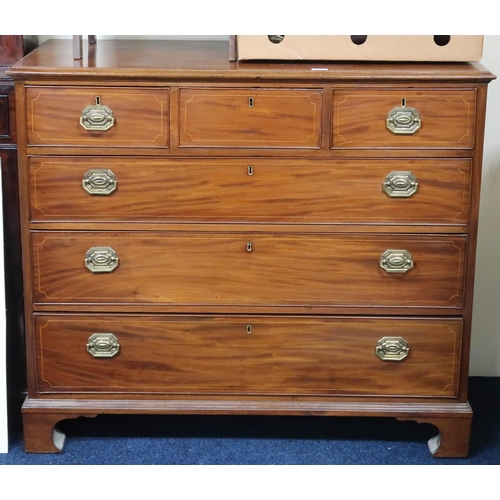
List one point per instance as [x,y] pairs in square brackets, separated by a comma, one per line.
[207,236]
[12,48]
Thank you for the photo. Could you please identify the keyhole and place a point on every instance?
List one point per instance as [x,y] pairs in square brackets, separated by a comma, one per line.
[250,170]
[98,101]
[250,102]
[403,102]
[249,246]
[249,329]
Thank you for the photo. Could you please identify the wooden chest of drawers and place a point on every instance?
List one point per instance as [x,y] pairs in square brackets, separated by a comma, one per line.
[205,236]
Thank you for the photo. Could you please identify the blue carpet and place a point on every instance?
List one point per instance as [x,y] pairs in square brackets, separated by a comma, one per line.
[252,440]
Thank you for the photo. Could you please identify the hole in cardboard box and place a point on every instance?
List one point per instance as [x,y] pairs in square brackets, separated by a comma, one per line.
[276,38]
[442,40]
[359,39]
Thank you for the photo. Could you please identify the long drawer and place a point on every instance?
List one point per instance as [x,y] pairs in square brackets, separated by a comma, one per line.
[250,117]
[98,116]
[404,118]
[248,269]
[382,191]
[248,355]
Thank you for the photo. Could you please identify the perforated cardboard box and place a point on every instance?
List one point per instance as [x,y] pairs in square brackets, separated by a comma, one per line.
[442,48]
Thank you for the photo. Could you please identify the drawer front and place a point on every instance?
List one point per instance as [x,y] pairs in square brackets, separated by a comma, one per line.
[446,119]
[249,355]
[125,117]
[250,190]
[250,118]
[256,269]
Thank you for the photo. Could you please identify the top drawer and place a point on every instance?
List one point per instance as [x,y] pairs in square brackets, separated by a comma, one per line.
[404,118]
[250,118]
[97,117]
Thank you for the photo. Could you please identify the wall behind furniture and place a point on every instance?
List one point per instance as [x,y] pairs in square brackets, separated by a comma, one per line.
[485,349]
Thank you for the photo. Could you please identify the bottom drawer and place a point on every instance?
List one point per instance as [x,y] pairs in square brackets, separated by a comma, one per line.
[248,355]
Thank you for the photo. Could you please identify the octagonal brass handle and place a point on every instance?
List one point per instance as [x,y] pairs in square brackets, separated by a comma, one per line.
[403,121]
[103,345]
[392,349]
[99,181]
[396,261]
[101,260]
[400,184]
[97,117]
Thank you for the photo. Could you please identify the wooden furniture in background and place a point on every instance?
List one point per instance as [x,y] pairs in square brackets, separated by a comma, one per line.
[216,237]
[12,48]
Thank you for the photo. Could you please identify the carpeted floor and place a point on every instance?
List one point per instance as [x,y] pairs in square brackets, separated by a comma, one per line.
[238,440]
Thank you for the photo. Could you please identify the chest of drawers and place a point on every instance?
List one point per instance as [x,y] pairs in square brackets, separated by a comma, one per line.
[205,236]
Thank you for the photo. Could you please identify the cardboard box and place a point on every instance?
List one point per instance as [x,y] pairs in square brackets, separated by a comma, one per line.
[458,48]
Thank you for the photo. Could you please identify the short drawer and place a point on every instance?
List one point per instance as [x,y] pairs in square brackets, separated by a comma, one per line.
[388,191]
[250,118]
[248,355]
[248,269]
[404,118]
[97,116]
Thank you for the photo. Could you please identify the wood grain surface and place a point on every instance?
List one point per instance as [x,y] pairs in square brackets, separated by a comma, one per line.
[251,117]
[250,190]
[141,116]
[447,117]
[216,355]
[217,269]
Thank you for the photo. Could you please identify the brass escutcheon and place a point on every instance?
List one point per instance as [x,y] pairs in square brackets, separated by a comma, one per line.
[400,184]
[99,181]
[403,121]
[392,349]
[101,260]
[103,345]
[396,261]
[97,117]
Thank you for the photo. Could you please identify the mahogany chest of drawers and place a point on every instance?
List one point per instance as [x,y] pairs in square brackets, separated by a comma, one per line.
[206,236]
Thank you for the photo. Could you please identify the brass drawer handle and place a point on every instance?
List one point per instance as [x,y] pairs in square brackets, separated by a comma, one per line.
[392,349]
[97,117]
[400,184]
[403,121]
[103,345]
[99,181]
[396,261]
[101,260]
